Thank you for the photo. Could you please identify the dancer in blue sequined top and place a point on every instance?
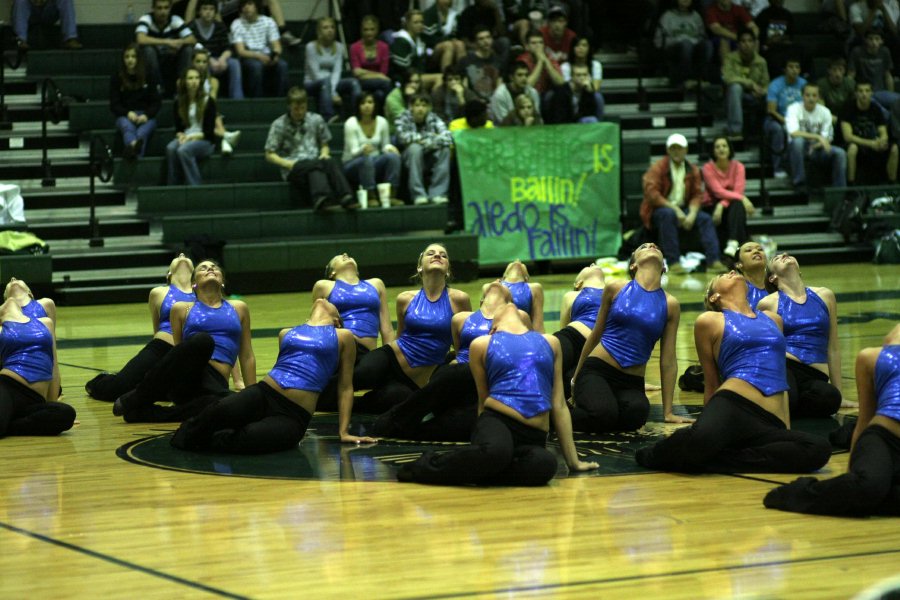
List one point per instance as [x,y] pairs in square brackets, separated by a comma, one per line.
[577,317]
[527,295]
[18,291]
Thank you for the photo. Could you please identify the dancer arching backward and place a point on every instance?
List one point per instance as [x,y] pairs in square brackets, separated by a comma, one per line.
[751,263]
[210,333]
[19,291]
[450,395]
[872,484]
[577,317]
[810,329]
[526,295]
[273,415]
[27,364]
[744,426]
[423,335]
[518,373]
[109,386]
[608,388]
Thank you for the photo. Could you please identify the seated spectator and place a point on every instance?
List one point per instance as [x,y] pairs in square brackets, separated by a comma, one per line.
[582,54]
[776,32]
[872,62]
[450,96]
[231,10]
[483,66]
[370,59]
[166,42]
[398,100]
[195,137]
[439,34]
[484,13]
[874,15]
[671,186]
[322,75]
[783,91]
[524,114]
[369,156]
[426,151]
[724,19]
[544,73]
[682,35]
[518,17]
[865,132]
[746,79]
[212,35]
[26,13]
[211,86]
[475,116]
[725,198]
[836,89]
[558,38]
[257,43]
[409,51]
[811,131]
[298,143]
[134,101]
[516,84]
[574,101]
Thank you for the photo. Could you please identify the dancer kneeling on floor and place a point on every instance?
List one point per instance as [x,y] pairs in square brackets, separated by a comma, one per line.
[608,387]
[526,295]
[744,426]
[872,483]
[577,317]
[273,414]
[518,373]
[209,334]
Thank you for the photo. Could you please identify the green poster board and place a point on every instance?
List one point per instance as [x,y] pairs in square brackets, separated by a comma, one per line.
[541,193]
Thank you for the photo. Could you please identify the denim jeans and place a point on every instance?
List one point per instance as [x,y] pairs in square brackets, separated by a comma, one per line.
[837,159]
[256,76]
[366,171]
[417,159]
[347,89]
[737,103]
[182,161]
[25,13]
[131,132]
[688,59]
[668,231]
[235,81]
[158,58]
[775,140]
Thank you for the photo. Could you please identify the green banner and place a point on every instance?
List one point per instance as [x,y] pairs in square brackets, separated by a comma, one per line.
[539,193]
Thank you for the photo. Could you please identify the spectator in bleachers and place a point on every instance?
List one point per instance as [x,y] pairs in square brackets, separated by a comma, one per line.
[258,44]
[210,85]
[369,157]
[409,51]
[195,124]
[166,42]
[865,130]
[475,116]
[724,19]
[725,197]
[298,143]
[484,13]
[134,101]
[212,34]
[448,98]
[558,38]
[398,100]
[518,17]
[505,95]
[776,32]
[524,114]
[544,73]
[574,101]
[811,131]
[426,151]
[672,185]
[582,54]
[746,78]
[439,34]
[783,91]
[872,62]
[836,89]
[46,12]
[370,59]
[483,66]
[230,10]
[681,34]
[874,15]
[322,74]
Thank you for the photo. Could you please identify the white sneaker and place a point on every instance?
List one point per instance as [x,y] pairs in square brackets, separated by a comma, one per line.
[421,200]
[226,148]
[232,137]
[731,248]
[439,199]
[781,174]
[290,39]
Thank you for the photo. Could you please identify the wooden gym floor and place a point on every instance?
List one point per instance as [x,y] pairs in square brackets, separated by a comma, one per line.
[78,521]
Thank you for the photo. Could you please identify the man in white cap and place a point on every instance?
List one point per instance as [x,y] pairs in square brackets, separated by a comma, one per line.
[671,207]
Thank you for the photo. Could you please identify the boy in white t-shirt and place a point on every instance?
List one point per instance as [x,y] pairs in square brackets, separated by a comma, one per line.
[810,129]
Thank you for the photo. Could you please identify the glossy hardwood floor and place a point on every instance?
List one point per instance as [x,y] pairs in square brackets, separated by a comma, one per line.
[77,521]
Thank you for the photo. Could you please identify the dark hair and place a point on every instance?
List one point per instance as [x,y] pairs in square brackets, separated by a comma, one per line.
[451,70]
[407,75]
[809,84]
[184,103]
[476,113]
[139,79]
[730,149]
[244,3]
[212,3]
[420,97]
[791,58]
[362,98]
[575,42]
[515,66]
[860,82]
[417,276]
[837,61]
[479,28]
[209,260]
[370,19]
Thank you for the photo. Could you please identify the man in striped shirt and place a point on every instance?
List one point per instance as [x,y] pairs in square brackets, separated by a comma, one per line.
[258,44]
[166,41]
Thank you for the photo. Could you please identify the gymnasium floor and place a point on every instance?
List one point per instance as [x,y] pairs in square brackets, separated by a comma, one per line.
[90,514]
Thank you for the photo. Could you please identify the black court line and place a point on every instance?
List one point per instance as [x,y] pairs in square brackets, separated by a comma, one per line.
[62,364]
[752,478]
[122,563]
[630,578]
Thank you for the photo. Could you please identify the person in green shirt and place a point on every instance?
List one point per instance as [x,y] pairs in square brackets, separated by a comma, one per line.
[836,89]
[746,78]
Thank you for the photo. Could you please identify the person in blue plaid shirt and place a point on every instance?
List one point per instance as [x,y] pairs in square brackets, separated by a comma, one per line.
[426,145]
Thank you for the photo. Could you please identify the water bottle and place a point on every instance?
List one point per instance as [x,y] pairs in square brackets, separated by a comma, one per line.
[129,14]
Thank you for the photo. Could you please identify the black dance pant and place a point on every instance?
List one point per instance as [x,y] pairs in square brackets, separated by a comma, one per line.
[256,420]
[733,225]
[503,451]
[109,386]
[571,343]
[380,372]
[809,393]
[735,435]
[606,399]
[25,412]
[184,377]
[450,395]
[870,487]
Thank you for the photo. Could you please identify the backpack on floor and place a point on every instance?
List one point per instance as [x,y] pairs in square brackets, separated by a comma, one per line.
[692,379]
[847,218]
[887,249]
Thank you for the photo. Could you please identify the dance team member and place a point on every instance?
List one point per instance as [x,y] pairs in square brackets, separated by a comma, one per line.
[109,386]
[810,329]
[19,291]
[210,334]
[272,415]
[526,295]
[608,387]
[518,373]
[872,483]
[744,426]
[577,317]
[751,262]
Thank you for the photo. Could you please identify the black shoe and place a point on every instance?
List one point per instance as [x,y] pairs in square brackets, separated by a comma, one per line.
[319,203]
[383,426]
[452,226]
[138,145]
[188,436]
[89,386]
[119,405]
[644,457]
[348,202]
[128,152]
[405,473]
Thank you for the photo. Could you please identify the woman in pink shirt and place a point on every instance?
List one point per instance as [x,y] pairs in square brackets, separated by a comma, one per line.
[370,59]
[724,196]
